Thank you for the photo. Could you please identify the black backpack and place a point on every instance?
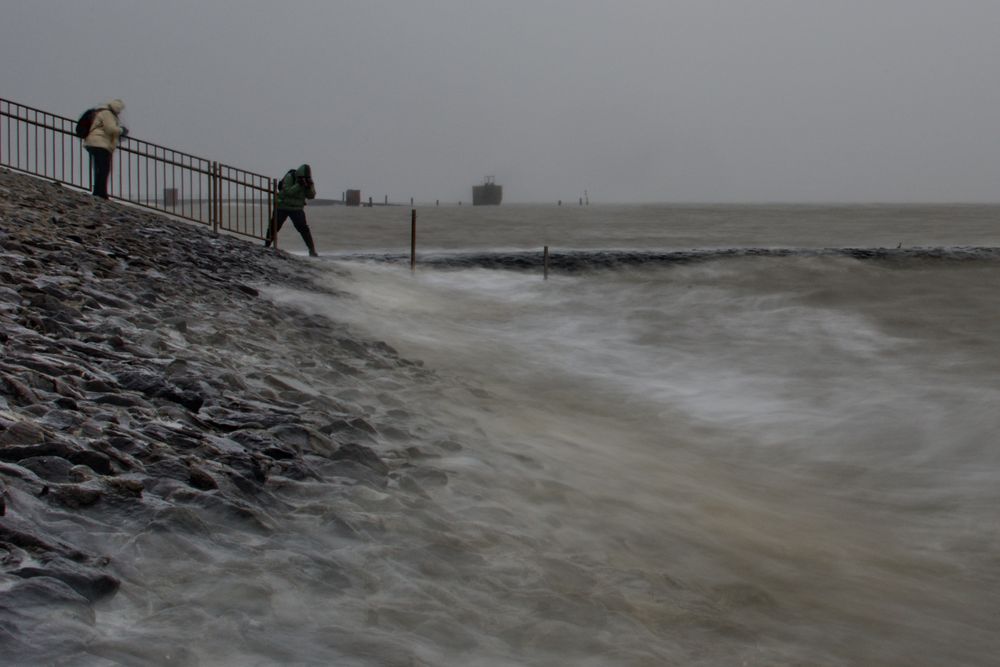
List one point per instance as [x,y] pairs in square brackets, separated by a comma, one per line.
[84,123]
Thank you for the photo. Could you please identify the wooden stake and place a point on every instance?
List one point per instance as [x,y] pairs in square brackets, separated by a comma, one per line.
[413,239]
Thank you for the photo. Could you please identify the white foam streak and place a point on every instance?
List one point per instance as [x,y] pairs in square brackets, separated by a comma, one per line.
[778,445]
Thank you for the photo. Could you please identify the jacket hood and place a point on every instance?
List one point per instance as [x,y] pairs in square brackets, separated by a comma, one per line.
[116,106]
[304,171]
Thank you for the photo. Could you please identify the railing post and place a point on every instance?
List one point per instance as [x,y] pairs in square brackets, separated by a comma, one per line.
[274,214]
[89,159]
[211,194]
[217,176]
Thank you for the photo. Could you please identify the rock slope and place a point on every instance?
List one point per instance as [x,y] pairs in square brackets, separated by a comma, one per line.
[141,372]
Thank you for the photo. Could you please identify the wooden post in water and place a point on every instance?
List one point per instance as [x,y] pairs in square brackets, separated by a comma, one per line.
[413,239]
[545,263]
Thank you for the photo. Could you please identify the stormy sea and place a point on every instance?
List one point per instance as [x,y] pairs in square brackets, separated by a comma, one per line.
[696,435]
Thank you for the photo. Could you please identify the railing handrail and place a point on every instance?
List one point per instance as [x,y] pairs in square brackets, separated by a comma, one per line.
[230,198]
[122,145]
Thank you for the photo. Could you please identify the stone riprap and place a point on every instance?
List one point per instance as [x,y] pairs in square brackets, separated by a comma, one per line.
[142,373]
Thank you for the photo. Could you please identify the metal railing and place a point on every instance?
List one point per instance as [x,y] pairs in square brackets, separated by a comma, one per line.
[145,174]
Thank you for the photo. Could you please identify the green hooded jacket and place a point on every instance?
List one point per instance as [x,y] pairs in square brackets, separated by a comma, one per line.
[296,188]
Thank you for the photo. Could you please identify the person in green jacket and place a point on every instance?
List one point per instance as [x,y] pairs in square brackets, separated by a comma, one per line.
[293,191]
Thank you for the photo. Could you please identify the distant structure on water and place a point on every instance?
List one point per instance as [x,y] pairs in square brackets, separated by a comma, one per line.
[487,194]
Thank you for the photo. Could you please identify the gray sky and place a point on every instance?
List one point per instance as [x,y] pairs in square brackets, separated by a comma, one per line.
[633,100]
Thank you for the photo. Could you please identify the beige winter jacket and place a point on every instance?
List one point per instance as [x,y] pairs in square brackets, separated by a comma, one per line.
[105,130]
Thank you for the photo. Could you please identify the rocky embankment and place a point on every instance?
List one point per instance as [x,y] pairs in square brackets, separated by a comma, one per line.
[141,372]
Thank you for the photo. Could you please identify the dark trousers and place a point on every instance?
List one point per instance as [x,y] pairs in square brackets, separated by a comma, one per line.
[100,169]
[298,217]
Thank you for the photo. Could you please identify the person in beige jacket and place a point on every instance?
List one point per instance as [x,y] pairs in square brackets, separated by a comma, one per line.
[101,141]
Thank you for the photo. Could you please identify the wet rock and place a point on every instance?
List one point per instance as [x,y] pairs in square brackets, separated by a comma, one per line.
[17,472]
[410,485]
[225,508]
[293,469]
[36,544]
[139,380]
[22,433]
[120,400]
[175,435]
[154,385]
[80,474]
[201,479]
[19,452]
[88,350]
[398,434]
[40,382]
[178,323]
[116,456]
[96,461]
[64,418]
[299,437]
[48,325]
[448,445]
[361,455]
[250,483]
[90,583]
[169,468]
[356,425]
[429,477]
[49,468]
[75,496]
[40,593]
[122,443]
[190,400]
[55,304]
[34,411]
[278,452]
[100,386]
[123,486]
[252,417]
